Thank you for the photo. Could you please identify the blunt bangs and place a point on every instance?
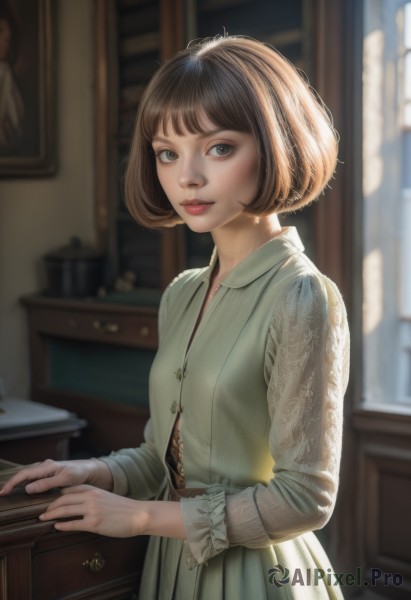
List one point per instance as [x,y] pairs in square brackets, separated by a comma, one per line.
[188,92]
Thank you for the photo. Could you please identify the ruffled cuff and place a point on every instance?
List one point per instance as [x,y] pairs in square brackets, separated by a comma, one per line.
[244,524]
[120,483]
[204,521]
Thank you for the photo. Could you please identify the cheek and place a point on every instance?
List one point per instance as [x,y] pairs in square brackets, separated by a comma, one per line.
[168,185]
[246,175]
[164,179]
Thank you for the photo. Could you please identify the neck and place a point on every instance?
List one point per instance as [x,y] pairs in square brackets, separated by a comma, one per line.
[237,242]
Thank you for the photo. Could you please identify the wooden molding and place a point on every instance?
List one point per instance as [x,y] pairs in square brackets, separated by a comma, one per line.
[105,118]
[384,532]
[382,422]
[336,31]
[334,51]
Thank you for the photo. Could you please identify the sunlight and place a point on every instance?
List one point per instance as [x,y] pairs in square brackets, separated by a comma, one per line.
[372,111]
[373,291]
[407,25]
[407,65]
[405,258]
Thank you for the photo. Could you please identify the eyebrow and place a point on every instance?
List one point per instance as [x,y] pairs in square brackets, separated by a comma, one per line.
[203,135]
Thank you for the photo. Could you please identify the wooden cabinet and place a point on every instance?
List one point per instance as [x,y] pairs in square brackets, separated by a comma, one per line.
[39,563]
[96,323]
[93,359]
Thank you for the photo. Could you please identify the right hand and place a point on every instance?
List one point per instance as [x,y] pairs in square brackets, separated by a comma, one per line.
[50,474]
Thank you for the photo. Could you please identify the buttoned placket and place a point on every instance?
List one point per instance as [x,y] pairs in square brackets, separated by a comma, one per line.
[180,373]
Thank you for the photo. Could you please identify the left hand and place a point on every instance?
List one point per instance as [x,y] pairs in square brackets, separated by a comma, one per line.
[97,511]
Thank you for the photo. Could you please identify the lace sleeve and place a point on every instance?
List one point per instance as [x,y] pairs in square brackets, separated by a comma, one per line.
[306,370]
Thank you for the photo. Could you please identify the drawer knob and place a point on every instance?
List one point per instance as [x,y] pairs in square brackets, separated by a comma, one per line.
[96,563]
[105,327]
[144,331]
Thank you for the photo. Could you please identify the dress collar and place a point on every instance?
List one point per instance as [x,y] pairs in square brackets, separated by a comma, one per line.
[260,261]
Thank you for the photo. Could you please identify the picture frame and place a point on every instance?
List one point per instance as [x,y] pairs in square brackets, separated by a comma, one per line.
[27,88]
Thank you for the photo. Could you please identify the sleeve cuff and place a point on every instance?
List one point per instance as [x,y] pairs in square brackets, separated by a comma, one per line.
[120,483]
[244,524]
[204,521]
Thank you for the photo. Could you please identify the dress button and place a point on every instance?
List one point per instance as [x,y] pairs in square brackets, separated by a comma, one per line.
[174,407]
[179,374]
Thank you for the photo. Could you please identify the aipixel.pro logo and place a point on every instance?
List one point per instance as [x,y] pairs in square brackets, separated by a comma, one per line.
[280,575]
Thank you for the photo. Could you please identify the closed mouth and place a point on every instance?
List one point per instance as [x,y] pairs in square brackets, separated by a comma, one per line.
[195,202]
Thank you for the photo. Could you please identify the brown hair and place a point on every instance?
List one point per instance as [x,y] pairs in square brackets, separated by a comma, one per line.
[244,85]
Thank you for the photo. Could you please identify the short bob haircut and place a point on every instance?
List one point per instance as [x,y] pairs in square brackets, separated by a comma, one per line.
[243,85]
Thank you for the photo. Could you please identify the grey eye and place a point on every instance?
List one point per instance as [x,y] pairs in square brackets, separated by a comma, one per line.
[166,156]
[221,149]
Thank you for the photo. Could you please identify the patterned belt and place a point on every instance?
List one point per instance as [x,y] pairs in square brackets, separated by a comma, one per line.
[176,494]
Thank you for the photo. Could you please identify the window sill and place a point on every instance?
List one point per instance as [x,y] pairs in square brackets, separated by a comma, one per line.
[383,418]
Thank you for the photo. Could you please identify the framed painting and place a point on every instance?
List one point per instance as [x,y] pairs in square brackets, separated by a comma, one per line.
[27,88]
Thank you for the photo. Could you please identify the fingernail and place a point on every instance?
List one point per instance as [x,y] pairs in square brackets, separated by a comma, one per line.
[41,516]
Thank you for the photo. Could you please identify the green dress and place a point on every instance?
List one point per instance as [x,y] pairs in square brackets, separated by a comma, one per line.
[259,389]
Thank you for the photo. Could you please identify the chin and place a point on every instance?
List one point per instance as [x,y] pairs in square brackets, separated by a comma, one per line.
[198,228]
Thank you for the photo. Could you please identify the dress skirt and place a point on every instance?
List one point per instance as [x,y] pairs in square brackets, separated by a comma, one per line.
[240,573]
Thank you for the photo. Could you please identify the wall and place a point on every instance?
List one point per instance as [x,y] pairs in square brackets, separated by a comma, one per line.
[38,215]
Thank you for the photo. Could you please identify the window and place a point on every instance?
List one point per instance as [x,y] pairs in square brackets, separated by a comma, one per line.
[387,202]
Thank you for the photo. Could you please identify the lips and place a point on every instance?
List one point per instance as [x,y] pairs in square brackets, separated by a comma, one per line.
[196,207]
[195,202]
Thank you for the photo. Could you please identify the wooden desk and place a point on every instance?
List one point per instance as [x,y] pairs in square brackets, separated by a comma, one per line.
[39,563]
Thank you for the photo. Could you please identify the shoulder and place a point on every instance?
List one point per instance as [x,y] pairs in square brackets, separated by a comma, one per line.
[187,278]
[304,287]
[310,313]
[181,287]
[308,299]
[184,282]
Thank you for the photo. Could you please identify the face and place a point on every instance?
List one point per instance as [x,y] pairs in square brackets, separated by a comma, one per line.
[208,177]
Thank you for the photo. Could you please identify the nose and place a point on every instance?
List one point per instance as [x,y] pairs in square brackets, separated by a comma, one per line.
[191,174]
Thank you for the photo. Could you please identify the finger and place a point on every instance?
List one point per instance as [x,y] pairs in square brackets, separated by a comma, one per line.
[43,485]
[25,474]
[78,489]
[64,511]
[43,477]
[76,525]
[71,500]
[70,497]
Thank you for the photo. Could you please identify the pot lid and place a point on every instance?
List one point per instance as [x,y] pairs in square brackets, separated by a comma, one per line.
[75,250]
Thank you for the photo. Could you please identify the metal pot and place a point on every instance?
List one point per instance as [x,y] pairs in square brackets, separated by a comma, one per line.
[73,271]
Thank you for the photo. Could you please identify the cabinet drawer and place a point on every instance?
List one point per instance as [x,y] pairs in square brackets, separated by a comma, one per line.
[139,331]
[100,563]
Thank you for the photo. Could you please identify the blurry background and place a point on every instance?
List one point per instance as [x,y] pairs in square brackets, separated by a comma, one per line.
[90,354]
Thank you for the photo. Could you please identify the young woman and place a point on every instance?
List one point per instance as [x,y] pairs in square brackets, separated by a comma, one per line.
[241,454]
